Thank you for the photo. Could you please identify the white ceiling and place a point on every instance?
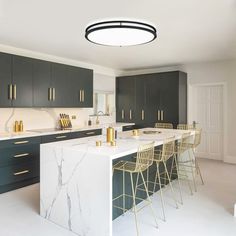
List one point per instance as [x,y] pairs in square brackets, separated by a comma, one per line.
[188,30]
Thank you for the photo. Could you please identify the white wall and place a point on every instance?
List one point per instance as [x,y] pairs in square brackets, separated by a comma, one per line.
[208,73]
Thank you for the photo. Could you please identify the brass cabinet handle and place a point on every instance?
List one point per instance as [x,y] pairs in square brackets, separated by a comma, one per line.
[162,115]
[130,114]
[158,115]
[89,133]
[21,142]
[83,95]
[143,115]
[80,95]
[122,114]
[14,92]
[22,155]
[10,91]
[53,94]
[21,172]
[49,94]
[63,136]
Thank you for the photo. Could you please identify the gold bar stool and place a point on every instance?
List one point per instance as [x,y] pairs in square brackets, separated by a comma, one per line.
[164,125]
[180,173]
[185,126]
[162,156]
[144,160]
[192,162]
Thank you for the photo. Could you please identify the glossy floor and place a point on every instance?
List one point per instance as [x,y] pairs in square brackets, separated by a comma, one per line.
[208,212]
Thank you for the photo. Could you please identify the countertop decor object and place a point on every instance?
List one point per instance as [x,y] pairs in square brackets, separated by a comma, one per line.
[120,33]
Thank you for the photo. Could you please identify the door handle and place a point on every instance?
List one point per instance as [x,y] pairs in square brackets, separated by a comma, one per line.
[90,133]
[158,115]
[53,94]
[22,155]
[59,137]
[49,94]
[122,114]
[83,95]
[80,95]
[130,114]
[143,115]
[162,115]
[21,142]
[21,172]
[14,92]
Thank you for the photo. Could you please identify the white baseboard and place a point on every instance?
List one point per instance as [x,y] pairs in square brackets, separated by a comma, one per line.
[230,159]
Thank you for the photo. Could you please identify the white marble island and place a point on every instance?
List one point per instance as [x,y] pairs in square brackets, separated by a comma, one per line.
[76,181]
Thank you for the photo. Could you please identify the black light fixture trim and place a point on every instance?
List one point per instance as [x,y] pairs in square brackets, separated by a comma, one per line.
[120,24]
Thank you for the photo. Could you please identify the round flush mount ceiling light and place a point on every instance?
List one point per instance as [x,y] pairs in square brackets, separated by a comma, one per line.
[120,33]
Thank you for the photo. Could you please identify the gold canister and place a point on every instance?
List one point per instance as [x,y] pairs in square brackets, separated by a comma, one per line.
[98,143]
[110,134]
[113,143]
[135,132]
[16,126]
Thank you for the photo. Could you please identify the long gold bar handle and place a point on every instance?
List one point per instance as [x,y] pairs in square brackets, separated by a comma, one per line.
[21,142]
[21,172]
[90,133]
[10,91]
[14,92]
[162,115]
[83,95]
[123,114]
[59,137]
[130,114]
[80,95]
[49,94]
[53,94]
[158,115]
[22,155]
[143,114]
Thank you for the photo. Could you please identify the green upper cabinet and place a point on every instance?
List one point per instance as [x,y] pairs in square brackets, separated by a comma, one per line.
[42,83]
[5,80]
[22,80]
[26,82]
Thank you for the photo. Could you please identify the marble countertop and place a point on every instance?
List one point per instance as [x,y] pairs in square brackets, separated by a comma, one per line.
[35,133]
[125,144]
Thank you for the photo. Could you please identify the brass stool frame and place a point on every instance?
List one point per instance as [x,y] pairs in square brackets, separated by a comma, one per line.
[144,159]
[164,125]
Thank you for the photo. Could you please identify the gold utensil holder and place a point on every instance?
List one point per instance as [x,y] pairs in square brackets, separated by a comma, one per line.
[110,134]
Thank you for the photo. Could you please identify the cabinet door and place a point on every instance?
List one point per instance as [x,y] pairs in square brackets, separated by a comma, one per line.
[5,79]
[86,80]
[141,111]
[61,95]
[125,94]
[41,83]
[22,79]
[169,97]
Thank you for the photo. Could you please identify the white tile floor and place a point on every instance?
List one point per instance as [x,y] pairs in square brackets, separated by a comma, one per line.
[208,212]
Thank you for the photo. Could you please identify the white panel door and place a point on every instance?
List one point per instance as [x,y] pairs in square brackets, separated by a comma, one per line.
[208,112]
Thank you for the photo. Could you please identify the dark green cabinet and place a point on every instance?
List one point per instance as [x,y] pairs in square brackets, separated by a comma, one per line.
[5,80]
[125,100]
[27,82]
[159,97]
[22,73]
[42,83]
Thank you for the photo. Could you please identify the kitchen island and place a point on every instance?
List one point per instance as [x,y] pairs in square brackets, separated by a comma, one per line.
[76,182]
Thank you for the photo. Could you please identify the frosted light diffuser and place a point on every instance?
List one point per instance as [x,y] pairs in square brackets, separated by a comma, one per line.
[120,33]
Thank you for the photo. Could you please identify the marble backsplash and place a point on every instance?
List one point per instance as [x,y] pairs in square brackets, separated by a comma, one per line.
[37,118]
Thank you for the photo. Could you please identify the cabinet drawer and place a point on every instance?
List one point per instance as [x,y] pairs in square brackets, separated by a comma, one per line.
[16,155]
[19,142]
[128,127]
[56,137]
[87,133]
[16,173]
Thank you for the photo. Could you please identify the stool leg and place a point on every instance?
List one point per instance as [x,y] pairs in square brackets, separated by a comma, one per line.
[188,180]
[134,204]
[197,167]
[172,190]
[177,170]
[123,192]
[162,198]
[192,171]
[149,199]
